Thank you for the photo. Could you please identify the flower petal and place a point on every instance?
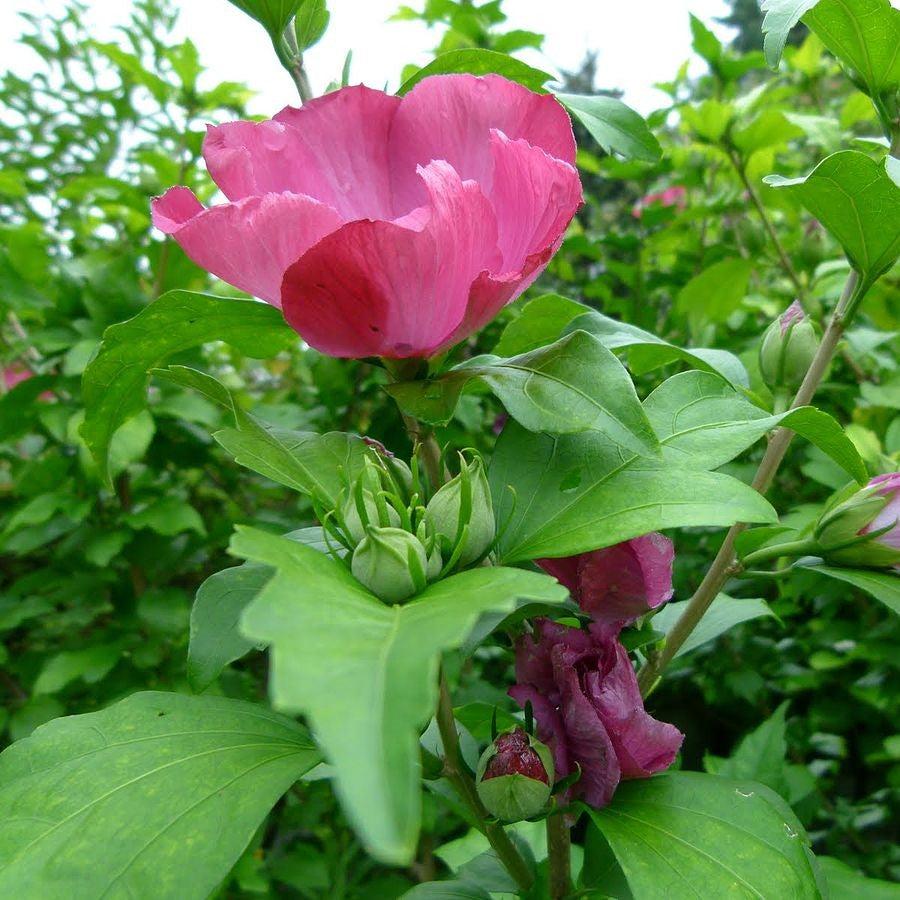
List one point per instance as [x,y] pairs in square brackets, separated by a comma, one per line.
[450,117]
[334,148]
[534,196]
[249,243]
[395,289]
[643,745]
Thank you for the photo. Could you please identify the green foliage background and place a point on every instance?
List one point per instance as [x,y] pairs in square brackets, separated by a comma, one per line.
[96,585]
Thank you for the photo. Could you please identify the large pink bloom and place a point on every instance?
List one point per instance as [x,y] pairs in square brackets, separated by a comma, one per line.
[618,584]
[381,225]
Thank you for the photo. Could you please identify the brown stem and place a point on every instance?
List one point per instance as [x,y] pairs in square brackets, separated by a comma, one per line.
[767,223]
[726,564]
[559,852]
[462,782]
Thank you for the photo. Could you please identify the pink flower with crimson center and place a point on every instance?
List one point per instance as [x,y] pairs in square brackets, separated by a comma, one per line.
[382,225]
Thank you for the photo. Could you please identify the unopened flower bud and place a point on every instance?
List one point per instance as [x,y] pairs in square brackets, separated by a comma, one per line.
[787,349]
[374,513]
[461,513]
[391,563]
[515,775]
[848,532]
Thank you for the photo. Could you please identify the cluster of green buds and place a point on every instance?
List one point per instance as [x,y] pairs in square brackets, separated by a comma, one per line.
[397,538]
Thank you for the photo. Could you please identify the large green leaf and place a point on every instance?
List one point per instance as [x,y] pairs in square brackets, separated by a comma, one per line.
[845,883]
[780,17]
[714,294]
[883,586]
[114,386]
[864,35]
[573,385]
[216,639]
[858,201]
[156,796]
[702,422]
[318,465]
[365,673]
[480,62]
[573,493]
[545,318]
[646,351]
[686,835]
[723,614]
[617,128]
[273,15]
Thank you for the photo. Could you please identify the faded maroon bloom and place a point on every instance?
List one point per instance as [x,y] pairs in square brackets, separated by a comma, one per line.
[514,756]
[671,196]
[588,709]
[618,584]
[382,225]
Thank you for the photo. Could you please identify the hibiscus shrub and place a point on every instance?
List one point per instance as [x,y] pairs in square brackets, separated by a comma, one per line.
[396,584]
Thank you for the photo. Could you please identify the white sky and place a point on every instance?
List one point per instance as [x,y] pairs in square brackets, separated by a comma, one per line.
[639,41]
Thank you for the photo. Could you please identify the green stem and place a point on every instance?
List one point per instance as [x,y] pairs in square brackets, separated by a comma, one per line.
[786,263]
[559,853]
[464,785]
[777,551]
[726,564]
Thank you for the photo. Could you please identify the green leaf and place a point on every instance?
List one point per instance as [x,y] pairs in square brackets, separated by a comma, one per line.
[646,351]
[760,756]
[844,882]
[114,385]
[90,664]
[480,62]
[705,42]
[702,423]
[771,128]
[447,890]
[574,493]
[318,465]
[723,614]
[167,516]
[273,15]
[159,793]
[617,128]
[573,385]
[366,673]
[883,586]
[310,23]
[864,35]
[780,17]
[539,322]
[215,639]
[714,294]
[858,201]
[19,407]
[674,833]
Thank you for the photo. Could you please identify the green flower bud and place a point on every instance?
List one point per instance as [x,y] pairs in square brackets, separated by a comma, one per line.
[515,776]
[462,515]
[391,563]
[787,349]
[859,528]
[374,512]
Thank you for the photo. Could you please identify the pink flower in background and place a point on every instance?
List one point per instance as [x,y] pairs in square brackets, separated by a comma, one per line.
[588,709]
[381,225]
[618,584]
[15,374]
[671,196]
